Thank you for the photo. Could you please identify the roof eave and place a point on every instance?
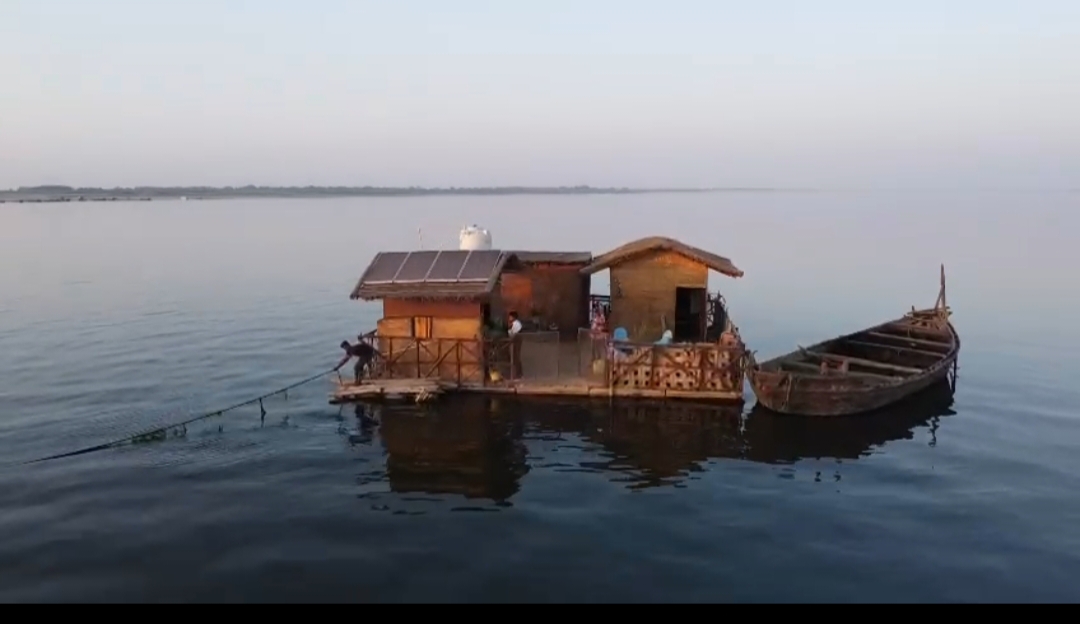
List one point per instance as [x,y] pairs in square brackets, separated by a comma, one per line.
[378,296]
[606,263]
[733,272]
[554,257]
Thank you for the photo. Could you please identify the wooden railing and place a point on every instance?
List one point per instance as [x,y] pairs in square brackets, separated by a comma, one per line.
[532,355]
[448,359]
[687,367]
[700,367]
[504,355]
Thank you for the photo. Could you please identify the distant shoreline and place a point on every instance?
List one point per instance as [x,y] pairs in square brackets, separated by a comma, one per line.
[50,194]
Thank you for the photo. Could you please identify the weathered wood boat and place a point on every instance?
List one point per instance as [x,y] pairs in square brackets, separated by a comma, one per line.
[863,371]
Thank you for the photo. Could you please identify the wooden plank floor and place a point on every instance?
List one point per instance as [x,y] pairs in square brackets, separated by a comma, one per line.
[551,370]
[413,388]
[386,388]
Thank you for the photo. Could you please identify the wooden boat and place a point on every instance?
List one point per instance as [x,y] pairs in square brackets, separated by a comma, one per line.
[863,371]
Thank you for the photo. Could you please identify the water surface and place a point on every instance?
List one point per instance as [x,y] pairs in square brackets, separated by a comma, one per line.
[117,317]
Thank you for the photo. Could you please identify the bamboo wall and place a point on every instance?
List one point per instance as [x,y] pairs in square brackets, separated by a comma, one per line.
[643,291]
[437,308]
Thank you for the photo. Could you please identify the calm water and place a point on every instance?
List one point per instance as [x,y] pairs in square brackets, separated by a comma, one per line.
[114,317]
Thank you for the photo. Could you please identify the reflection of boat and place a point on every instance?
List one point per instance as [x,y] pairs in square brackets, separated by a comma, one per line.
[475,446]
[863,371]
[775,438]
[666,441]
[460,449]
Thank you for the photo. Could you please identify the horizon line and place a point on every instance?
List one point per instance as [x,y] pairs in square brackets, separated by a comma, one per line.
[62,190]
[59,187]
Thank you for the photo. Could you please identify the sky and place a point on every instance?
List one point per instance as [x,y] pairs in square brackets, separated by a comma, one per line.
[825,94]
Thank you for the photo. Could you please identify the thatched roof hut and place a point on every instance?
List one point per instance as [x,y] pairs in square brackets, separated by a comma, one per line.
[656,244]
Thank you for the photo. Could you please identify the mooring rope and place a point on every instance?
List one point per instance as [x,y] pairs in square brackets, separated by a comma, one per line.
[159,433]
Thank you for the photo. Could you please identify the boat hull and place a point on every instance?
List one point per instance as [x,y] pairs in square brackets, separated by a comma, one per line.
[772,394]
[830,393]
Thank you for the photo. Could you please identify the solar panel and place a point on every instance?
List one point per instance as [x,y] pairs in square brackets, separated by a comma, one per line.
[416,266]
[447,266]
[480,265]
[384,267]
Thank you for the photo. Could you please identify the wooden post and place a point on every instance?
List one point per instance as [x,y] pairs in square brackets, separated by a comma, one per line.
[609,358]
[652,368]
[941,303]
[482,356]
[577,352]
[702,357]
[558,356]
[513,360]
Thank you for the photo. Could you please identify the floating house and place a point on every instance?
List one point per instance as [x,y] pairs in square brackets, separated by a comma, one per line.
[443,326]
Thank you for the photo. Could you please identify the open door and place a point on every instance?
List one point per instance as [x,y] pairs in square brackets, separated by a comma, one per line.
[690,314]
[716,318]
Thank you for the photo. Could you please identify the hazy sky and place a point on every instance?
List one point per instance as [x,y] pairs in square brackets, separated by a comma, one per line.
[692,93]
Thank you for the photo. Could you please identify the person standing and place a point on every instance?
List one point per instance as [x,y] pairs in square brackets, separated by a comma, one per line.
[514,332]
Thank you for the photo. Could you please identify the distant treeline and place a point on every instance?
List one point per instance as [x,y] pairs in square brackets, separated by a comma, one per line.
[69,193]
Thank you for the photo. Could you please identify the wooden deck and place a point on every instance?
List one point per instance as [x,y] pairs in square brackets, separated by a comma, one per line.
[551,369]
[419,390]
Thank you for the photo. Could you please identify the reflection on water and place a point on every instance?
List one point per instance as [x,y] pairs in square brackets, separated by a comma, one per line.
[477,447]
[457,449]
[773,438]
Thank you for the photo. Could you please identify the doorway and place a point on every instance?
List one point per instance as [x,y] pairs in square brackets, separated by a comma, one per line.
[689,314]
[485,315]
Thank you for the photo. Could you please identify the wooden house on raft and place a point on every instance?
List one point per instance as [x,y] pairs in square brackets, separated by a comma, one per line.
[443,324]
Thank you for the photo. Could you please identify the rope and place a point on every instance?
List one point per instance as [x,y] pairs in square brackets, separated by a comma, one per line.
[163,431]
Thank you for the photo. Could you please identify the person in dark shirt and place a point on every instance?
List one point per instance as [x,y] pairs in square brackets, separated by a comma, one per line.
[364,354]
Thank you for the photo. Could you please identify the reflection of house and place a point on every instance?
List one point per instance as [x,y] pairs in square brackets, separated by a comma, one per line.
[549,289]
[668,440]
[659,283]
[464,451]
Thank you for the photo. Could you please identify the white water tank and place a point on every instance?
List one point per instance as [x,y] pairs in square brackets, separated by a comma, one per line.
[474,238]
